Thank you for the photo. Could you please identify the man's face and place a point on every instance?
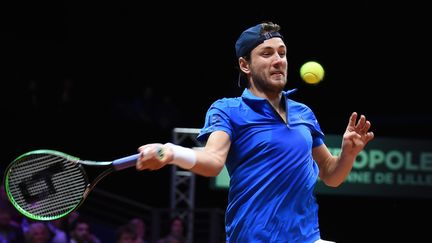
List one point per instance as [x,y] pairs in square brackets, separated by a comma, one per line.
[82,231]
[268,65]
[177,227]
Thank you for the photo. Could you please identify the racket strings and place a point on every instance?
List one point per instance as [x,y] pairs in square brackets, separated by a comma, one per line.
[47,185]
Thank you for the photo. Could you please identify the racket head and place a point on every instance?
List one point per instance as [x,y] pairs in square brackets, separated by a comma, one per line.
[45,184]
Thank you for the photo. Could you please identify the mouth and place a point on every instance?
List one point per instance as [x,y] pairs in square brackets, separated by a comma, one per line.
[277,74]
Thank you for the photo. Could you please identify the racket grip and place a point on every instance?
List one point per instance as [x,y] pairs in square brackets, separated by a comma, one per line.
[126,162]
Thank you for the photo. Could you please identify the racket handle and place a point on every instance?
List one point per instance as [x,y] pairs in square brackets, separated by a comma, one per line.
[126,162]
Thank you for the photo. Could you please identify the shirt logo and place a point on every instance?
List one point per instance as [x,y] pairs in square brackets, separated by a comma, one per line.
[215,119]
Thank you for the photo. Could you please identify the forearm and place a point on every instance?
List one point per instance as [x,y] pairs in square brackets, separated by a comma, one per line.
[211,158]
[336,169]
[206,161]
[207,164]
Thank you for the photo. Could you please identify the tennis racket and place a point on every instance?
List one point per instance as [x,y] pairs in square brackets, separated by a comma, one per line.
[48,184]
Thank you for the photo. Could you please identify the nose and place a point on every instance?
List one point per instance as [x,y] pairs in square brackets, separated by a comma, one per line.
[278,59]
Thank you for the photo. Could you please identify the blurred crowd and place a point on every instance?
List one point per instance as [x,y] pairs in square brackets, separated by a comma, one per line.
[76,228]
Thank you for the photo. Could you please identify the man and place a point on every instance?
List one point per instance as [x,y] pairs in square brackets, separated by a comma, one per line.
[80,232]
[175,234]
[272,146]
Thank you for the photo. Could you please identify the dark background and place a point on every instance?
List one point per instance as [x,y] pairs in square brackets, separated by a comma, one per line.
[376,57]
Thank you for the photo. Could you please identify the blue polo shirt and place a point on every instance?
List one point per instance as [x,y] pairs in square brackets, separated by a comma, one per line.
[272,172]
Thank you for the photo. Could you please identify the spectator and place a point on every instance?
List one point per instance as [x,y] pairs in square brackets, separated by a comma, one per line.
[38,233]
[139,226]
[126,234]
[10,232]
[80,232]
[175,234]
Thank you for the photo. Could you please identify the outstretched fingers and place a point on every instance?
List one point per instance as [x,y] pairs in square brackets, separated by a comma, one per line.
[361,126]
[352,120]
[365,127]
[360,123]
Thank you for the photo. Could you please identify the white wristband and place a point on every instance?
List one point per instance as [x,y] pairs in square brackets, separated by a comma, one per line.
[183,157]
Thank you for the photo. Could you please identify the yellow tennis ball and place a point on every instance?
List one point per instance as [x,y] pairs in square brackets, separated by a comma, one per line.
[312,72]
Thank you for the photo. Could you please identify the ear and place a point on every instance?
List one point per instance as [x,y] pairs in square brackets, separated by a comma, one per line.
[244,65]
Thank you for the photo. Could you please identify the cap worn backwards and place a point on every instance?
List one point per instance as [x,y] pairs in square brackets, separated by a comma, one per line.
[251,38]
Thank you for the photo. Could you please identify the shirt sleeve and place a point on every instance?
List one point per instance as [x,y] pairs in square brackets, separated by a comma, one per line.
[216,119]
[304,114]
[317,133]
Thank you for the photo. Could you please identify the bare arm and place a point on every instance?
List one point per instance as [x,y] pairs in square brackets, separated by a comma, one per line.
[209,161]
[334,169]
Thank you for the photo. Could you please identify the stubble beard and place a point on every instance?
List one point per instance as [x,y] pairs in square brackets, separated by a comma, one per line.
[264,85]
